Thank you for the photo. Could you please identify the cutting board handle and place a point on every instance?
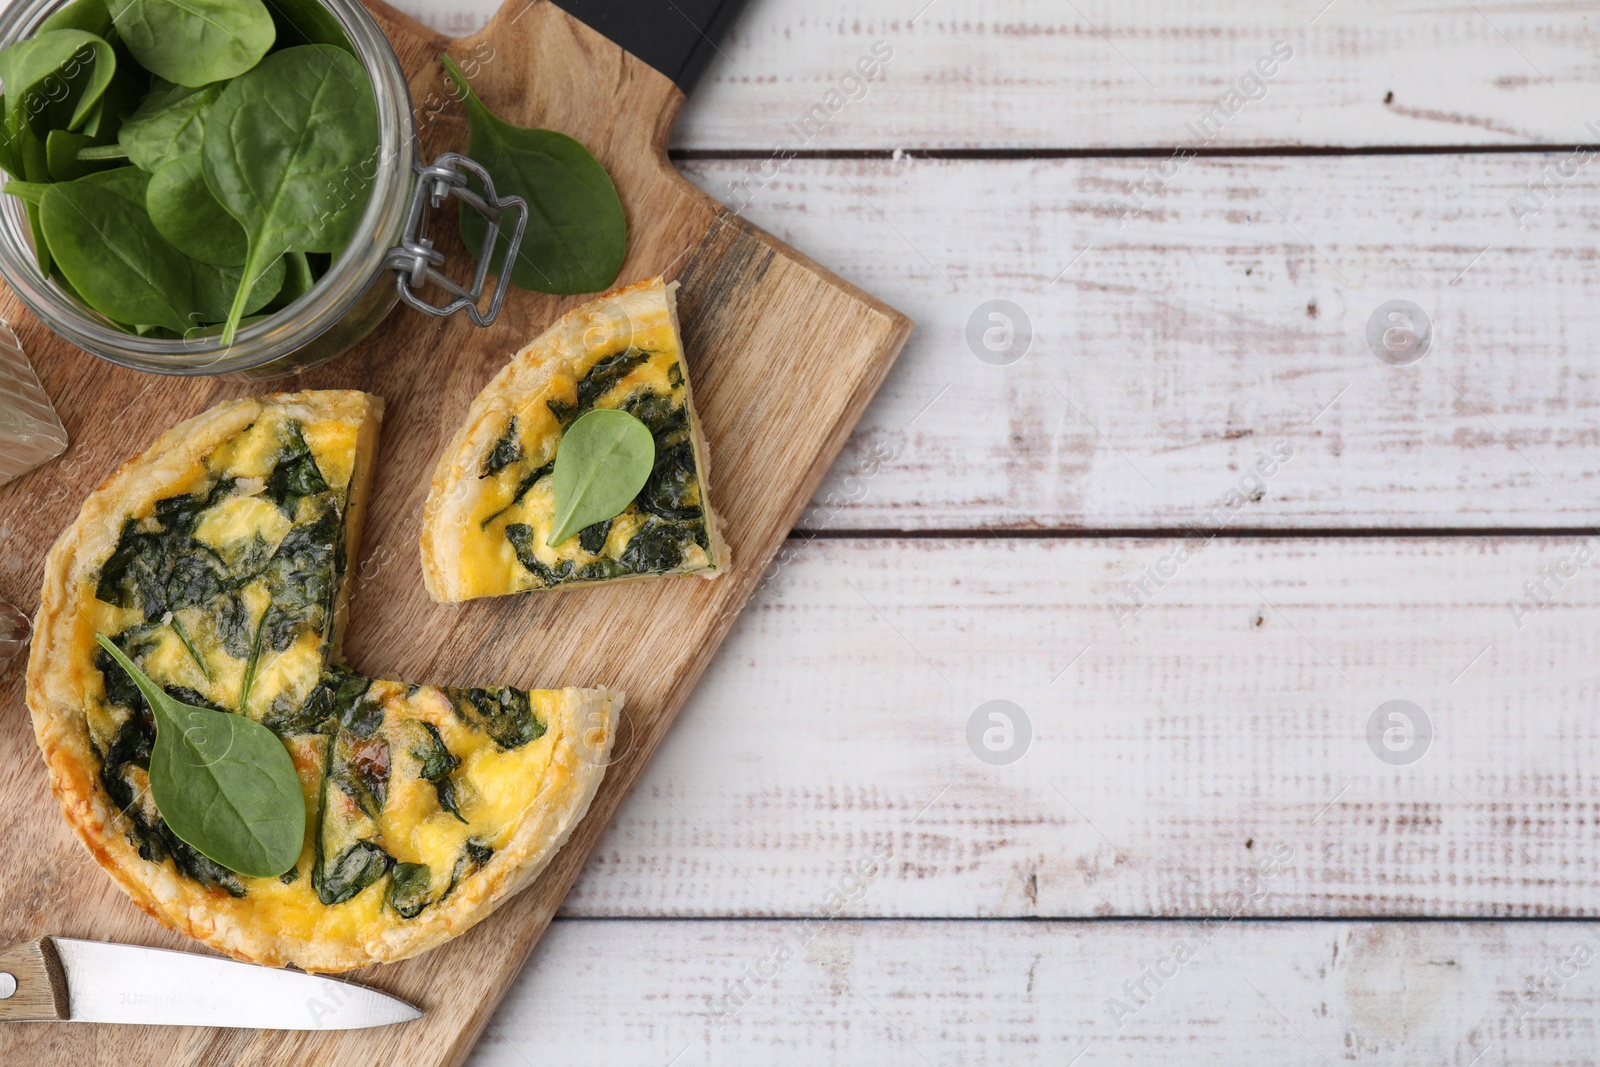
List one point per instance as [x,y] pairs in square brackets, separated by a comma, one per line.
[535,65]
[37,984]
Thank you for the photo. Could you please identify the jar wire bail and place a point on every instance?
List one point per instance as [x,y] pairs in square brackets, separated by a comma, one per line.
[415,259]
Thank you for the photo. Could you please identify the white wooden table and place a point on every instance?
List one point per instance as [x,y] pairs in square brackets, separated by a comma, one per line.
[1190,525]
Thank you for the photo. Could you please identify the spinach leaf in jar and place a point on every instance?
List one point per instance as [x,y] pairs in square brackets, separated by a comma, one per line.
[91,16]
[53,79]
[289,151]
[101,236]
[183,209]
[168,124]
[194,42]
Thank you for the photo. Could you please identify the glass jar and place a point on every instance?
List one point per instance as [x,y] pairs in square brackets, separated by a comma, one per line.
[359,289]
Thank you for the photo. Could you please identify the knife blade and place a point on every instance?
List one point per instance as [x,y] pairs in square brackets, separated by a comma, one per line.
[68,979]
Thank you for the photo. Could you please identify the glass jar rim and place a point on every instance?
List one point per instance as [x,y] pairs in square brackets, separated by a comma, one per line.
[302,321]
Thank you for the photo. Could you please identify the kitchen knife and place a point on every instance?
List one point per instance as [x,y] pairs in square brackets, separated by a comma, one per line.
[62,978]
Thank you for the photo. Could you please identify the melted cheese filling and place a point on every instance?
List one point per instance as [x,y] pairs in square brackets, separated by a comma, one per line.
[490,563]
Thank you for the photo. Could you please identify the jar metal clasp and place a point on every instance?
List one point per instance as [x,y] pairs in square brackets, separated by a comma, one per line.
[414,259]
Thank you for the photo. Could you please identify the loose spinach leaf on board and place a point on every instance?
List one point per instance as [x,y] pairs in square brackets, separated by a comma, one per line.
[576,235]
[101,236]
[169,124]
[53,79]
[605,457]
[194,42]
[289,150]
[186,213]
[225,785]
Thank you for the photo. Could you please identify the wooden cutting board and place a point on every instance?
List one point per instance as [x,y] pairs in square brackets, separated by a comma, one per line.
[783,356]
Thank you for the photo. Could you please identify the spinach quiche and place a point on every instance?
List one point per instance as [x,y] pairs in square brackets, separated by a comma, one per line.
[216,561]
[492,503]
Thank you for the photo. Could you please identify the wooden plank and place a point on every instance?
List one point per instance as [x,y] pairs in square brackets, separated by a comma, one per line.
[744,301]
[1227,718]
[1101,74]
[907,993]
[1183,346]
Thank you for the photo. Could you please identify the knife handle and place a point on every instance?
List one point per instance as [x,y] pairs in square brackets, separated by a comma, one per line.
[36,981]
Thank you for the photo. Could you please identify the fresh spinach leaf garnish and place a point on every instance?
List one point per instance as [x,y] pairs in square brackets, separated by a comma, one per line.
[284,152]
[224,785]
[194,42]
[577,235]
[604,459]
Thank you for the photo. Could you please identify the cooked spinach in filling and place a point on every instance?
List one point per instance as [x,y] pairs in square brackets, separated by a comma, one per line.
[663,530]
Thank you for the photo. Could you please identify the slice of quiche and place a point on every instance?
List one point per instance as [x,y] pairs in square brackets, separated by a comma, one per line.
[492,502]
[217,562]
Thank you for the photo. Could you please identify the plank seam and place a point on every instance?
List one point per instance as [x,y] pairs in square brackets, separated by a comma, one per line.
[1134,152]
[1163,533]
[1095,920]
